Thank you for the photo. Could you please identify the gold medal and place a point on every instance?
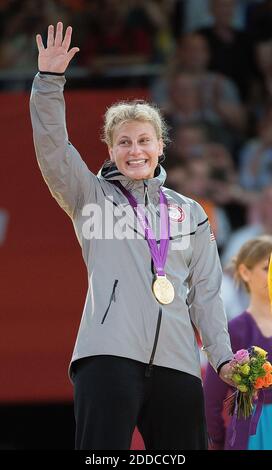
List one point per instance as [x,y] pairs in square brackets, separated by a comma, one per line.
[163,290]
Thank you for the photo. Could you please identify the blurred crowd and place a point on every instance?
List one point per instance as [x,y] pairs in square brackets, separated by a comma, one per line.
[214,88]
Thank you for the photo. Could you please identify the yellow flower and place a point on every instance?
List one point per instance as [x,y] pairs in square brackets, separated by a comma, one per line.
[236,378]
[242,388]
[260,351]
[245,369]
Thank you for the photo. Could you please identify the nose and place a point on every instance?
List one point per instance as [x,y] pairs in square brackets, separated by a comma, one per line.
[135,149]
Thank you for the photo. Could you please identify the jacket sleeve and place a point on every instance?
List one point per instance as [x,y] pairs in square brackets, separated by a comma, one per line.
[67,176]
[204,299]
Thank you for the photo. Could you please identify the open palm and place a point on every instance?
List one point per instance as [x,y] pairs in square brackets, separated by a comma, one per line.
[56,56]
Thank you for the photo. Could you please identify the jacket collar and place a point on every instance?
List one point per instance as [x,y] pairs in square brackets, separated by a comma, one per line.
[138,188]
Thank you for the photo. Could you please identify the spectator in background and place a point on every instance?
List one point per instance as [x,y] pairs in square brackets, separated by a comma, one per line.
[184,104]
[160,13]
[85,16]
[255,170]
[222,168]
[261,83]
[176,178]
[17,49]
[252,327]
[198,14]
[216,100]
[259,222]
[113,40]
[188,103]
[219,96]
[122,33]
[198,184]
[190,144]
[187,141]
[231,49]
[224,186]
[193,179]
[8,8]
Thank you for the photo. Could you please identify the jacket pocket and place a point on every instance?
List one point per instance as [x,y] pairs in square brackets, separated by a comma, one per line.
[112,299]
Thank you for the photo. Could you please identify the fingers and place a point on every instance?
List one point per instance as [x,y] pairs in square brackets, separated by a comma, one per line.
[72,52]
[67,38]
[50,36]
[58,38]
[57,41]
[39,42]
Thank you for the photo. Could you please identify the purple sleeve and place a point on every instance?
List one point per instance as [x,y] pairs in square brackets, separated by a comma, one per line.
[215,391]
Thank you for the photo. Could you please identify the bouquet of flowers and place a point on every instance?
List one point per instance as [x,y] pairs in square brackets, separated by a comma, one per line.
[250,372]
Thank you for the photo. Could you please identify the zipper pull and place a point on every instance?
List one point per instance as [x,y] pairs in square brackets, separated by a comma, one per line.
[113,292]
[145,194]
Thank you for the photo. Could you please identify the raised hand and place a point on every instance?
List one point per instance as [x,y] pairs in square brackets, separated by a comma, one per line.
[56,56]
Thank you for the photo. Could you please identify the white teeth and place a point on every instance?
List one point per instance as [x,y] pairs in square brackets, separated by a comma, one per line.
[137,162]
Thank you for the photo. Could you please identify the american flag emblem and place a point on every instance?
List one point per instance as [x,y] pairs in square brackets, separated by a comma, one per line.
[212,236]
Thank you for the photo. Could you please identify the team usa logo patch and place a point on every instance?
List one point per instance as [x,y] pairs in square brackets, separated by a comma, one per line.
[176,213]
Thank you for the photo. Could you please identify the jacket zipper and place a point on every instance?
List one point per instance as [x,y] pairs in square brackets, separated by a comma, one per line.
[148,370]
[112,298]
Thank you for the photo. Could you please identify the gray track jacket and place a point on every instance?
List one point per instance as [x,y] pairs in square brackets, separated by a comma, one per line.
[121,316]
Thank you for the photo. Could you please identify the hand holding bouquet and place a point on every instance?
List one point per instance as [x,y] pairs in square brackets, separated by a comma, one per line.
[250,372]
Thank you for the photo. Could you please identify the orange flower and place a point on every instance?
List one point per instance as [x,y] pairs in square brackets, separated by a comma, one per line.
[259,383]
[268,379]
[267,367]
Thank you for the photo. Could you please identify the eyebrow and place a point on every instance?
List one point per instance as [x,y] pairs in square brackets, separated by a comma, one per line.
[127,137]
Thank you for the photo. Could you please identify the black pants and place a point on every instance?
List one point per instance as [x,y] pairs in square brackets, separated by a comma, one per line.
[113,395]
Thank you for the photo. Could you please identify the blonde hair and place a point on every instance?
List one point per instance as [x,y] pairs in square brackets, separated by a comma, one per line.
[137,110]
[250,254]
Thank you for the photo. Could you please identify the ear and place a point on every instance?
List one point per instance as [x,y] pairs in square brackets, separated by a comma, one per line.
[111,154]
[244,272]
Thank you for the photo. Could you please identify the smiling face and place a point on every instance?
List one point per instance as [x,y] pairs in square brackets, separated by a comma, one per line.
[136,149]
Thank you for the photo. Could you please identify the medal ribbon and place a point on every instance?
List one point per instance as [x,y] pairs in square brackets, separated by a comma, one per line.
[158,255]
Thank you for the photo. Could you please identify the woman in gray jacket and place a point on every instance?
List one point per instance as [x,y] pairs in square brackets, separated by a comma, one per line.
[153,271]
